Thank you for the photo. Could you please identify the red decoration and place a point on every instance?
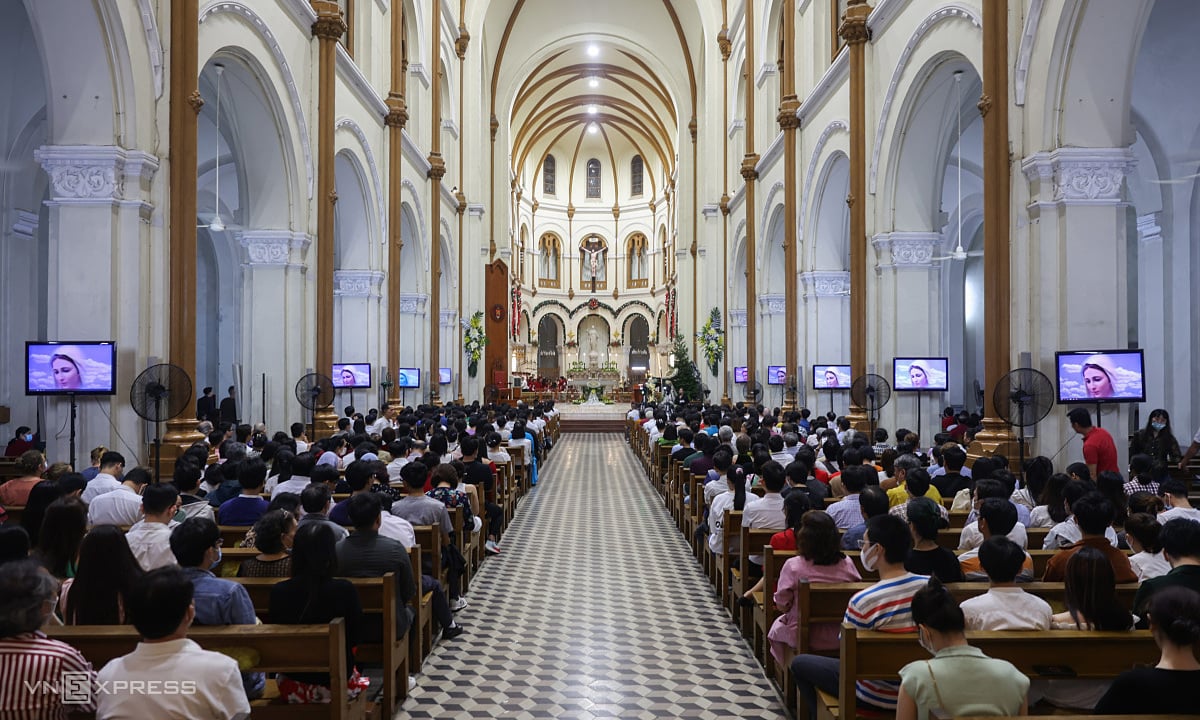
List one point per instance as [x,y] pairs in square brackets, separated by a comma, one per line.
[497,312]
[593,304]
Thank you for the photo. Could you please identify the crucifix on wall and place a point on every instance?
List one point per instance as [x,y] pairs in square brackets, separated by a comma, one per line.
[594,269]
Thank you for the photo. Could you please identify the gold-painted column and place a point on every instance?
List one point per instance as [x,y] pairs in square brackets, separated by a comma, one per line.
[993,105]
[725,47]
[854,31]
[789,123]
[437,170]
[185,106]
[395,120]
[750,176]
[328,29]
[460,49]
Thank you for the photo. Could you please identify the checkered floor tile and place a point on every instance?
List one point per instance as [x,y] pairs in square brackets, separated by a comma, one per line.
[594,609]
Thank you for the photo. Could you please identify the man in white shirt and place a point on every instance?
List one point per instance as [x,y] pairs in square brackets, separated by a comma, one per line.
[122,506]
[1191,451]
[194,683]
[112,466]
[1005,606]
[399,453]
[387,420]
[1174,494]
[302,468]
[766,513]
[150,539]
[778,454]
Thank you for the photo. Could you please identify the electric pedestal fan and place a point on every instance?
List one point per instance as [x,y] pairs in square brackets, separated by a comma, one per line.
[314,391]
[1022,398]
[752,391]
[158,394]
[871,392]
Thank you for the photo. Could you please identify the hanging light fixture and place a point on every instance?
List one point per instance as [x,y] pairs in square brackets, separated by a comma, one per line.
[216,225]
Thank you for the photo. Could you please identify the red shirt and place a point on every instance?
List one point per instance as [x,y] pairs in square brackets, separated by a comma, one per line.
[1099,450]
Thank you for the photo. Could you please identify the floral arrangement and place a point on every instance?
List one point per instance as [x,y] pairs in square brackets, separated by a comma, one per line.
[571,341]
[473,341]
[712,340]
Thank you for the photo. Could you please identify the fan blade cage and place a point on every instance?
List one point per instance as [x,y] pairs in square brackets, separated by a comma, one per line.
[314,391]
[160,392]
[1023,397]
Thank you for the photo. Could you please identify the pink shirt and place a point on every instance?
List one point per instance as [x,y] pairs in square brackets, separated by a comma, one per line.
[783,631]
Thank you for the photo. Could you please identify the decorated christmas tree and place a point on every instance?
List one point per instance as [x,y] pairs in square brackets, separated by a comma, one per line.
[686,378]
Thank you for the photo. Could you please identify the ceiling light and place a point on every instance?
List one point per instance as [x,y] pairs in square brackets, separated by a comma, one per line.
[593,128]
[593,51]
[592,110]
[594,82]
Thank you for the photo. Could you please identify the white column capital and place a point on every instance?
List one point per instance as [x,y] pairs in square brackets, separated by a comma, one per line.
[737,318]
[1078,176]
[449,318]
[358,283]
[412,303]
[280,248]
[772,304]
[25,224]
[96,174]
[826,283]
[905,249]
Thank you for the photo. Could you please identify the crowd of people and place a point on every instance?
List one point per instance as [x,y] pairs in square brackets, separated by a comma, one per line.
[827,489]
[109,546]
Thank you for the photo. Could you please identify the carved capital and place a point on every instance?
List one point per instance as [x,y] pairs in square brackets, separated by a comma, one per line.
[692,127]
[750,167]
[652,206]
[397,114]
[570,212]
[461,198]
[329,27]
[333,197]
[787,118]
[850,200]
[92,174]
[462,42]
[358,283]
[821,283]
[907,249]
[854,28]
[1079,176]
[616,211]
[984,104]
[495,127]
[724,44]
[437,166]
[724,204]
[196,100]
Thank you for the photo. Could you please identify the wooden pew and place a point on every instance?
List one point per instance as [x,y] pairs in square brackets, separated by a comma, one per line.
[280,648]
[15,513]
[752,541]
[872,655]
[377,596]
[723,564]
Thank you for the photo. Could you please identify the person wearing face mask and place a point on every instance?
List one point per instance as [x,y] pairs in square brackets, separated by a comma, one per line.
[22,442]
[959,680]
[196,543]
[883,606]
[1157,441]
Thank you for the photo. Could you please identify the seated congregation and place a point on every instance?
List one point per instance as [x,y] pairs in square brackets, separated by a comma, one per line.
[872,576]
[270,572]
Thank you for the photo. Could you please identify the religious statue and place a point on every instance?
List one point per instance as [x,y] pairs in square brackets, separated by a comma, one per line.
[593,344]
[593,269]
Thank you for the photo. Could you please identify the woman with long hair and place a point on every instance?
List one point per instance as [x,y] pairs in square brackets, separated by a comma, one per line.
[1051,508]
[63,528]
[107,574]
[1169,687]
[1158,441]
[927,557]
[1091,595]
[818,559]
[1112,486]
[1037,474]
[40,497]
[314,595]
[1141,532]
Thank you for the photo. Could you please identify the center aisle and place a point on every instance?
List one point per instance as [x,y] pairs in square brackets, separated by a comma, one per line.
[595,608]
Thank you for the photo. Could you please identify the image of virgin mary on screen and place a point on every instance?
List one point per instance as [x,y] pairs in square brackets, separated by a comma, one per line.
[352,375]
[78,368]
[830,377]
[919,374]
[1103,376]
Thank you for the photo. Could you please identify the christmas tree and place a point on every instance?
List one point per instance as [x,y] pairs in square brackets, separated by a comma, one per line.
[686,378]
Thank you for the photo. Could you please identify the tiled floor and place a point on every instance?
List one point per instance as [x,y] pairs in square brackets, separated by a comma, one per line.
[595,609]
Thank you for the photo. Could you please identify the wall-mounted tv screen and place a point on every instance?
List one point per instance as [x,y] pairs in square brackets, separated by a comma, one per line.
[777,375]
[1100,376]
[919,374]
[70,368]
[351,375]
[408,377]
[831,377]
[740,374]
[444,376]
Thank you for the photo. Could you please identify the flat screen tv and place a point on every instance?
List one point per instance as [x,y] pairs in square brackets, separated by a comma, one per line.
[351,375]
[919,374]
[777,375]
[831,377]
[408,377]
[740,374]
[444,376]
[1100,376]
[70,368]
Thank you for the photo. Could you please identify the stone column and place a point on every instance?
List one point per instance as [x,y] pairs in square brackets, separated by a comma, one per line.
[1152,288]
[789,123]
[437,170]
[854,31]
[1076,282]
[827,302]
[274,275]
[750,176]
[414,320]
[395,120]
[328,28]
[98,228]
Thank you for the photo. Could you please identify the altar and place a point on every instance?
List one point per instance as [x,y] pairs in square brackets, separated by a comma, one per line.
[595,382]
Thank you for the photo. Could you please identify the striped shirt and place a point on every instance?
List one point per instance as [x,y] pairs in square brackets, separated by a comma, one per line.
[885,606]
[32,668]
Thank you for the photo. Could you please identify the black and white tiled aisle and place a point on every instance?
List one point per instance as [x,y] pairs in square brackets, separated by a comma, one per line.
[594,609]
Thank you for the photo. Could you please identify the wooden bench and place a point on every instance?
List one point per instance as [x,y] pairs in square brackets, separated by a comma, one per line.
[280,648]
[15,513]
[872,655]
[377,596]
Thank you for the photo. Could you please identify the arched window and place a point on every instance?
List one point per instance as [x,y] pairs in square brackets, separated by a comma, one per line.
[636,166]
[838,11]
[637,273]
[550,248]
[593,179]
[548,176]
[347,39]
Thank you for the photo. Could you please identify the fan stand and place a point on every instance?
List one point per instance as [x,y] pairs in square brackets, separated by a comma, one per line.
[1099,407]
[918,418]
[831,400]
[74,408]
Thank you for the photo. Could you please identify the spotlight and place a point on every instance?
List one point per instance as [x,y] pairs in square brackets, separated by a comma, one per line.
[593,51]
[594,82]
[593,129]
[592,110]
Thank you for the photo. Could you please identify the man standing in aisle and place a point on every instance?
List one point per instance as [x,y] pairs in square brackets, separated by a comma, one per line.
[229,409]
[1099,450]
